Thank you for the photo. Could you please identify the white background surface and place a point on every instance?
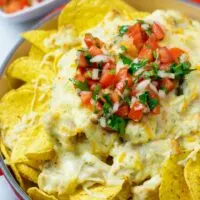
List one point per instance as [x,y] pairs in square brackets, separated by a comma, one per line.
[9,35]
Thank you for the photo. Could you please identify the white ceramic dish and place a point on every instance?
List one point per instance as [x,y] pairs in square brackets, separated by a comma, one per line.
[33,12]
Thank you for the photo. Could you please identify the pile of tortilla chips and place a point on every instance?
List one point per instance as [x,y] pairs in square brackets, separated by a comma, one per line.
[27,148]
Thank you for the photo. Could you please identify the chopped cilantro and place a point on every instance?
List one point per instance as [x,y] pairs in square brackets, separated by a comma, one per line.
[123,29]
[152,103]
[106,108]
[112,71]
[148,31]
[143,98]
[140,21]
[163,88]
[96,92]
[181,69]
[117,123]
[123,48]
[88,57]
[107,98]
[155,66]
[135,66]
[125,60]
[147,100]
[83,86]
[155,55]
[89,74]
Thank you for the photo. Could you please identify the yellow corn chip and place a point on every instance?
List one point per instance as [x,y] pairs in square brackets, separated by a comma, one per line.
[97,192]
[173,185]
[36,53]
[15,171]
[20,102]
[192,176]
[28,172]
[91,12]
[28,69]
[37,37]
[35,144]
[37,194]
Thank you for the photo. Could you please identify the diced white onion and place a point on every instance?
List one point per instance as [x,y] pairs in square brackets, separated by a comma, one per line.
[115,107]
[153,88]
[139,107]
[99,58]
[139,71]
[155,83]
[145,26]
[164,74]
[161,94]
[142,85]
[183,58]
[146,109]
[95,74]
[133,100]
[136,60]
[102,121]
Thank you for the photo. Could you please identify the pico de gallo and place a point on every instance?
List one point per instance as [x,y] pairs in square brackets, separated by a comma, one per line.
[149,73]
[11,6]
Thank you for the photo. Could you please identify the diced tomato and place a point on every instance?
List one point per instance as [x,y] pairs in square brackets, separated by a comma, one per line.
[132,50]
[86,97]
[158,31]
[99,106]
[152,94]
[139,36]
[109,65]
[134,91]
[146,53]
[114,97]
[120,86]
[95,51]
[168,84]
[151,42]
[92,83]
[136,112]
[107,79]
[82,61]
[14,6]
[123,75]
[176,53]
[165,66]
[123,111]
[3,2]
[156,110]
[79,77]
[89,40]
[165,55]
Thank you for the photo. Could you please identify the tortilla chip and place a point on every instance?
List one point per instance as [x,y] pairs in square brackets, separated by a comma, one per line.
[36,53]
[37,37]
[28,69]
[28,172]
[192,176]
[20,102]
[35,143]
[98,192]
[15,171]
[91,12]
[36,194]
[173,185]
